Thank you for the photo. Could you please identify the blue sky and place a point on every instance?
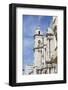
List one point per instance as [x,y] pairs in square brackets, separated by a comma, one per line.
[30,22]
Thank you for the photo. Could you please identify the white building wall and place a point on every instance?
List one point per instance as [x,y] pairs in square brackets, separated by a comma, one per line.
[37,58]
[53,45]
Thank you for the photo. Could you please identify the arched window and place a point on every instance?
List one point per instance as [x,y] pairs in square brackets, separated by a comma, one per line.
[39,41]
[38,32]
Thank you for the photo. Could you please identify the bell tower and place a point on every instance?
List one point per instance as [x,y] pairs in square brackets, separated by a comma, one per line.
[38,40]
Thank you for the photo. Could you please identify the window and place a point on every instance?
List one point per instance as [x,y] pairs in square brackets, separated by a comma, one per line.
[38,32]
[39,42]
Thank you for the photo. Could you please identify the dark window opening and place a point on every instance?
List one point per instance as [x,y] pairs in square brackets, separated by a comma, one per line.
[38,32]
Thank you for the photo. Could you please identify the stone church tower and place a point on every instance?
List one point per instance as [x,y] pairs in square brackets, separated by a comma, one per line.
[43,51]
[38,49]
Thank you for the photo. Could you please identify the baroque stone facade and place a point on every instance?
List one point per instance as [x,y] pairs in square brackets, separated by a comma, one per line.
[45,50]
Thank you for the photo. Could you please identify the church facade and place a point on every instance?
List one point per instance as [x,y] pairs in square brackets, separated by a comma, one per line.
[45,50]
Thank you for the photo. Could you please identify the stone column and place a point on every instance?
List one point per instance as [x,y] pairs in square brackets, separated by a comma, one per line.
[44,56]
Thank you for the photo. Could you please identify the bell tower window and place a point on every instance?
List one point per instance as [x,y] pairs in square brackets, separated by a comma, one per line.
[39,32]
[39,42]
